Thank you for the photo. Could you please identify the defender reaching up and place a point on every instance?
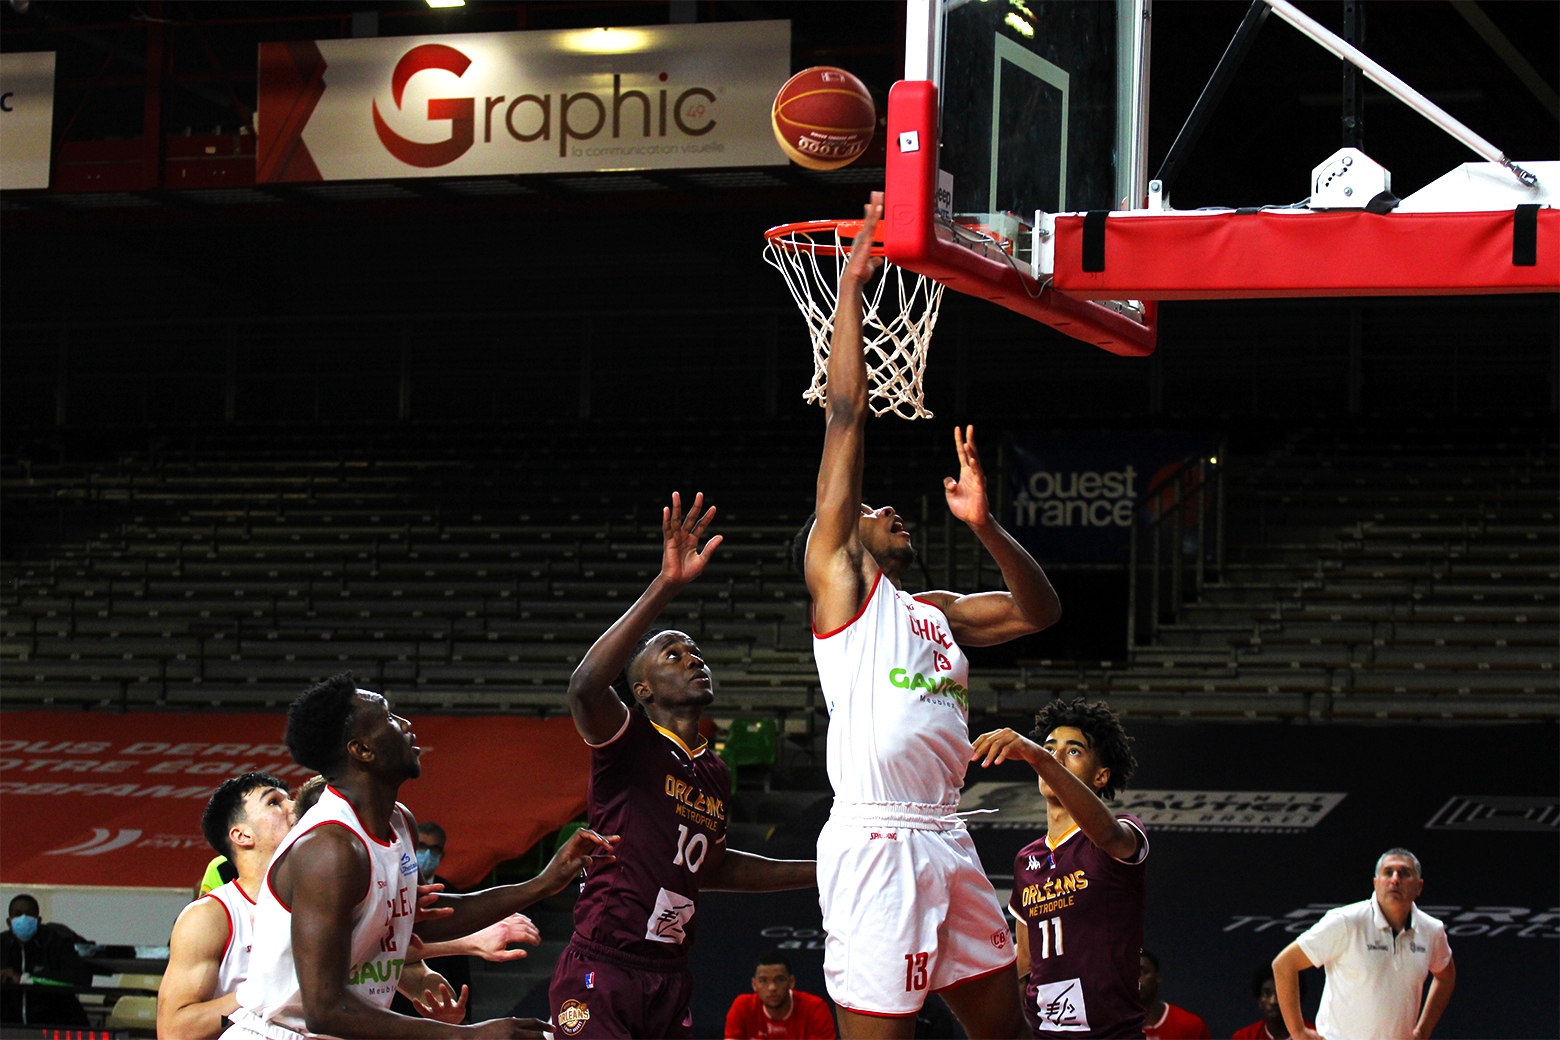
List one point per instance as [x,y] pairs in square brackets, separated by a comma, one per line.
[906,904]
[655,781]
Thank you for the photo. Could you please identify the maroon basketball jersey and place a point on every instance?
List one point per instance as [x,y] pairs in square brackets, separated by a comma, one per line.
[669,804]
[1084,914]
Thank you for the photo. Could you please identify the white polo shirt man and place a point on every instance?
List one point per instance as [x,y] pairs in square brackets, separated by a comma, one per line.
[1374,978]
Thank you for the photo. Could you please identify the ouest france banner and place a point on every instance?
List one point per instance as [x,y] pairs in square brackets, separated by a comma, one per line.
[494,104]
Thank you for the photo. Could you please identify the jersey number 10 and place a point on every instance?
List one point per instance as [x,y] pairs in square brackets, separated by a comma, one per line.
[690,851]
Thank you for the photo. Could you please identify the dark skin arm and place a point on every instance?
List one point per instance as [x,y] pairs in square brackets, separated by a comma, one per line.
[477,910]
[839,571]
[989,618]
[1092,816]
[732,871]
[597,710]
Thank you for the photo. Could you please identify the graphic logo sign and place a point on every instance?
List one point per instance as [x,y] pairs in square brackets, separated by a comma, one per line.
[483,104]
[1508,922]
[461,112]
[26,119]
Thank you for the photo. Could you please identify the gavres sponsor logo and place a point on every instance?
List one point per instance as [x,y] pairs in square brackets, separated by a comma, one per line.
[655,117]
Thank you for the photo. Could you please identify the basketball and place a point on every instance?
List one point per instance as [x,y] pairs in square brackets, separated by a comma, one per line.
[823,118]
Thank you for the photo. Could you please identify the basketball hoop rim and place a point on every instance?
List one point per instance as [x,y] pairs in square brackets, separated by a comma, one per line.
[784,236]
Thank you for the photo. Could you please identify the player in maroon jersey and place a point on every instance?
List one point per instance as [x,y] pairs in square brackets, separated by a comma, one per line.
[625,970]
[1078,891]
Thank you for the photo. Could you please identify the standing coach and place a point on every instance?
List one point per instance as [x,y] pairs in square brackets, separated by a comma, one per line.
[1377,953]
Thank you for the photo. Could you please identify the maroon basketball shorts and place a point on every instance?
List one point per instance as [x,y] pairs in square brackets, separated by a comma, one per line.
[598,991]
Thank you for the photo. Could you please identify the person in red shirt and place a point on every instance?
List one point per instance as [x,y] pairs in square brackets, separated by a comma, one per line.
[775,1010]
[1271,1025]
[1162,1021]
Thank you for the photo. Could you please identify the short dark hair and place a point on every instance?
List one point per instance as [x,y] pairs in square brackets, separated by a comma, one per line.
[1106,736]
[227,806]
[23,897]
[1264,973]
[434,831]
[1150,958]
[623,685]
[776,957]
[799,545]
[318,723]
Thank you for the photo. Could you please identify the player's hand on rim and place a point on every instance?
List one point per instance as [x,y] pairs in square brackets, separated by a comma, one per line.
[681,558]
[967,495]
[1004,745]
[862,264]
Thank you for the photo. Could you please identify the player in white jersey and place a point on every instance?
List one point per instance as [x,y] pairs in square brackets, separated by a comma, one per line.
[335,917]
[906,904]
[246,819]
[208,953]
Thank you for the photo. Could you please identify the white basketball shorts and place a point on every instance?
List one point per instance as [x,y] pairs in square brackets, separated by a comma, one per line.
[907,907]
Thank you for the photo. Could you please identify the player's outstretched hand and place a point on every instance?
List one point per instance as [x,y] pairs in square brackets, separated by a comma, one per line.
[862,264]
[492,942]
[1003,745]
[681,559]
[967,495]
[427,895]
[585,848]
[438,1001]
[511,1029]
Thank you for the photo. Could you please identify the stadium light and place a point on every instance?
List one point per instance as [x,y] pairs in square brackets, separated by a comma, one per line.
[436,4]
[605,41]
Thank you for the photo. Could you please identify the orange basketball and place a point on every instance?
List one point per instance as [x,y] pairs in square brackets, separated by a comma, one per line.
[823,118]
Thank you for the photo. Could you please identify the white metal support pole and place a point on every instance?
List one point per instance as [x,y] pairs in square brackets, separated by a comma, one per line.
[1374,72]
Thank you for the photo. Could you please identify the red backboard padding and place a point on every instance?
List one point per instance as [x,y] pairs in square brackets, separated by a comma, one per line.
[1228,255]
[97,799]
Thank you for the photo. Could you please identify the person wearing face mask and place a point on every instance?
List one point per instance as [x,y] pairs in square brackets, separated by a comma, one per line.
[430,852]
[43,954]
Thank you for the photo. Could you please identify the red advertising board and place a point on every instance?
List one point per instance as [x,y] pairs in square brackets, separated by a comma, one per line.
[99,799]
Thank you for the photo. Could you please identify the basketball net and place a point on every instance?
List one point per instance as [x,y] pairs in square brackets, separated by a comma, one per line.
[896,323]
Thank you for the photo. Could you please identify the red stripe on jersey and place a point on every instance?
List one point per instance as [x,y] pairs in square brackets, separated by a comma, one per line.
[852,621]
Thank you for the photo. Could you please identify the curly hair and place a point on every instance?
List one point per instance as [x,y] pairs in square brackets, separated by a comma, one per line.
[799,545]
[1097,722]
[227,807]
[318,721]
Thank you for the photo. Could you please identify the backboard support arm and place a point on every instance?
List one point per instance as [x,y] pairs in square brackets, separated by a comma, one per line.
[1223,73]
[1377,74]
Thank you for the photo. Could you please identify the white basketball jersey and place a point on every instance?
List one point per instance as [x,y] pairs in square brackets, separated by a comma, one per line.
[894,681]
[381,923]
[235,958]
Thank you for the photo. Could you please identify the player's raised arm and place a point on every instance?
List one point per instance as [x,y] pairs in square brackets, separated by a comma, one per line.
[987,618]
[836,566]
[1092,816]
[598,713]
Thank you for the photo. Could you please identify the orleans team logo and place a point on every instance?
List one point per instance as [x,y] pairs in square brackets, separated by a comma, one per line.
[573,1016]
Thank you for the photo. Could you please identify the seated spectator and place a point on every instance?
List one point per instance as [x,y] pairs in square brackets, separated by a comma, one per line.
[44,955]
[1162,1021]
[1271,1026]
[775,1009]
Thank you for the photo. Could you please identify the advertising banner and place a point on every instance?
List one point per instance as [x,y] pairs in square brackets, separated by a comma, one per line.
[26,119]
[1071,496]
[554,101]
[98,799]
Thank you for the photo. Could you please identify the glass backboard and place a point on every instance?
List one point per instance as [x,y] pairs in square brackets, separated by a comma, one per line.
[1044,108]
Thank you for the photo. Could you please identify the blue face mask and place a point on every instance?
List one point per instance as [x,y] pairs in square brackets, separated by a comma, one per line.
[24,926]
[428,861]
